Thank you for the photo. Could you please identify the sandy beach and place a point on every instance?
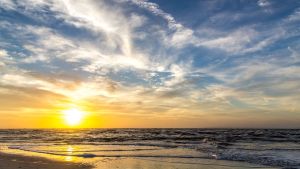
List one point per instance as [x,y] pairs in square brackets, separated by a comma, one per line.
[10,161]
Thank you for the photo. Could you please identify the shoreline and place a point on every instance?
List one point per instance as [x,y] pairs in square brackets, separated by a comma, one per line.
[16,161]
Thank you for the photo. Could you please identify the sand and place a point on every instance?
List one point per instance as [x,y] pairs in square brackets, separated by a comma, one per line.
[9,161]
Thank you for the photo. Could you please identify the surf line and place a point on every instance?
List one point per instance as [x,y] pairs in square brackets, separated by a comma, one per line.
[88,155]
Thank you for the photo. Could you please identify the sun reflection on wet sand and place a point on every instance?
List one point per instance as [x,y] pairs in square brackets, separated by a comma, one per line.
[69,158]
[70,150]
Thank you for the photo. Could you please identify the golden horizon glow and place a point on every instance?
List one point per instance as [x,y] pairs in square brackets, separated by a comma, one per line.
[73,117]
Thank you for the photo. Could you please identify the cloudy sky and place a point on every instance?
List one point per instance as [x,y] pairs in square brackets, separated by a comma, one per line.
[158,63]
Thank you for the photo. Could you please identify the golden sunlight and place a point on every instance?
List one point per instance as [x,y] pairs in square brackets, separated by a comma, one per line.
[73,116]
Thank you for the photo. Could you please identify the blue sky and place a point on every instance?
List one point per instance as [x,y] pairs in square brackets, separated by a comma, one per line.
[195,63]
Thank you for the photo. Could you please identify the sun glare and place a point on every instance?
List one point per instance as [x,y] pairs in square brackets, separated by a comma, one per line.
[73,116]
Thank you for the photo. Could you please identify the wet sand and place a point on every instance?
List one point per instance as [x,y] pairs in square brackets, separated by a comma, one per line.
[10,161]
[17,161]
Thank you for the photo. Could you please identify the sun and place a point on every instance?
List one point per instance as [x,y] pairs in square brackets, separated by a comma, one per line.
[73,116]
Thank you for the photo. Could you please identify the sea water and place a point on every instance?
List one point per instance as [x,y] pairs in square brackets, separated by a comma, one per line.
[262,148]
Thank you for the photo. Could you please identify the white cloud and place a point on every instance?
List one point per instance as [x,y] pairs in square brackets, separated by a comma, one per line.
[241,41]
[154,8]
[180,36]
[295,55]
[178,75]
[3,57]
[91,15]
[3,53]
[77,91]
[295,16]
[7,4]
[263,3]
[116,31]
[115,50]
[234,42]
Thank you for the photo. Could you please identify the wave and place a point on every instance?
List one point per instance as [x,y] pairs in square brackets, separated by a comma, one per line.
[82,151]
[168,135]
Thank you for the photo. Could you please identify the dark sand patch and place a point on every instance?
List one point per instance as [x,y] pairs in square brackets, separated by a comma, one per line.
[10,161]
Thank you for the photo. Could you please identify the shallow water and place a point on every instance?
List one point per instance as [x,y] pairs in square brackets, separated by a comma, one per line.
[219,148]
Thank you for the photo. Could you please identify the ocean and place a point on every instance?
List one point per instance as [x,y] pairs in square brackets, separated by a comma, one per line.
[274,148]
